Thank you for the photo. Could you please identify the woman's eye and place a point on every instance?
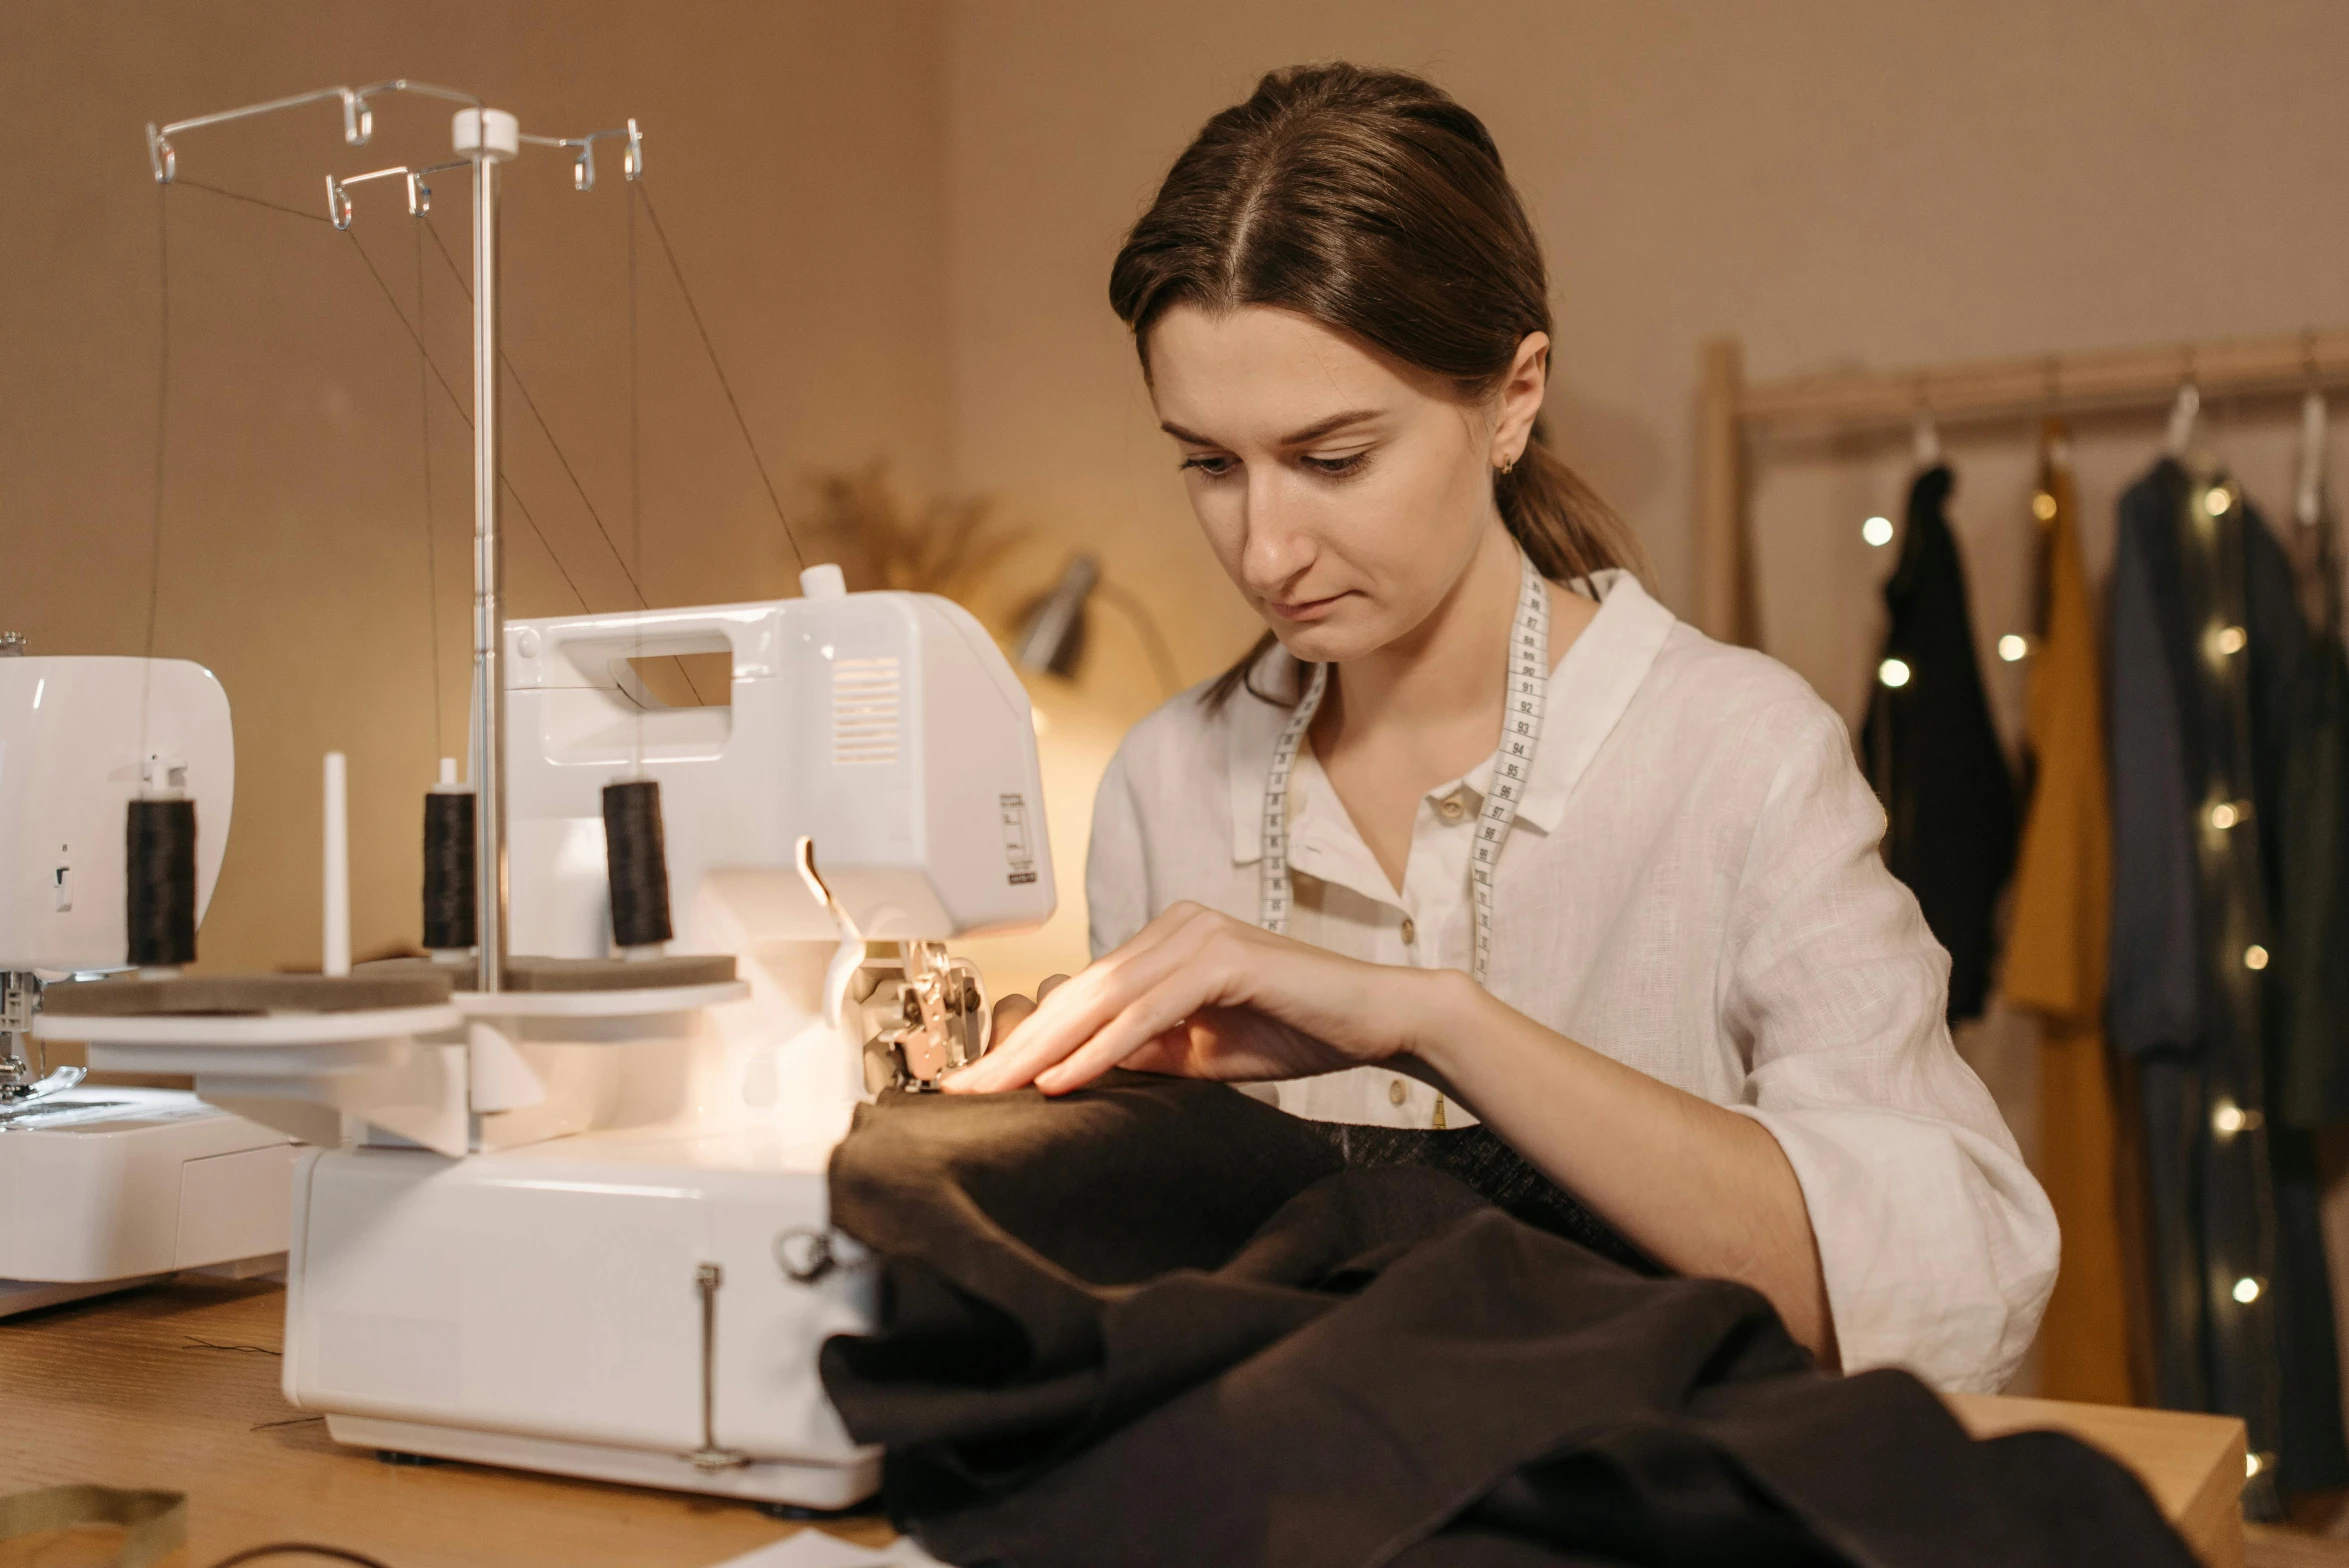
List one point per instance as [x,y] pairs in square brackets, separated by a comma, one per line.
[1214,467]
[1337,467]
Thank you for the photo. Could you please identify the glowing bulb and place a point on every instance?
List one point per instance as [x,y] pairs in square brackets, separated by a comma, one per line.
[2253,1464]
[2224,815]
[2255,957]
[2230,639]
[2217,499]
[1877,531]
[2247,1290]
[2012,648]
[1894,673]
[2227,1119]
[2043,507]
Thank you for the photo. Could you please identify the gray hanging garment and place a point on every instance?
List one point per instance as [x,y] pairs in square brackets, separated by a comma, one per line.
[2312,1077]
[2206,645]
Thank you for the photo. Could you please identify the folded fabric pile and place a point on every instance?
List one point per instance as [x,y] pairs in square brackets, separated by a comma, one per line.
[1158,1322]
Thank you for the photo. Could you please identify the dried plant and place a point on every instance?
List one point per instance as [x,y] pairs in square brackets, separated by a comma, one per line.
[951,546]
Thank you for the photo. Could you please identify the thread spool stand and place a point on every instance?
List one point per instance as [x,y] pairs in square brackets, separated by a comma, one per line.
[397,1045]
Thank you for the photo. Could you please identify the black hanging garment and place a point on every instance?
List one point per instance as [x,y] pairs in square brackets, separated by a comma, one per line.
[1157,1323]
[1933,755]
[2206,649]
[2312,1085]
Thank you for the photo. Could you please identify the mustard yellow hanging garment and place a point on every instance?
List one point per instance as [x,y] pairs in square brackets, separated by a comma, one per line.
[2055,961]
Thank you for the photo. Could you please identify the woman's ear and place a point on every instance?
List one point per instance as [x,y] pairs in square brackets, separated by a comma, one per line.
[1520,399]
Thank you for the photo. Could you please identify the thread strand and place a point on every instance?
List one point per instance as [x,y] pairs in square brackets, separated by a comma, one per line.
[162,447]
[724,385]
[431,555]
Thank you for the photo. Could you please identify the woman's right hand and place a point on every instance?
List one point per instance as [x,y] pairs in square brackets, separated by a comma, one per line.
[1199,994]
[1012,1011]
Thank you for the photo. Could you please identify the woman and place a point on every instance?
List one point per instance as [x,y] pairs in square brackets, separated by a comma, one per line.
[1648,940]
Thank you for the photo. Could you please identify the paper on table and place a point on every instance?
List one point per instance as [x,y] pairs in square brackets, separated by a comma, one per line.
[814,1549]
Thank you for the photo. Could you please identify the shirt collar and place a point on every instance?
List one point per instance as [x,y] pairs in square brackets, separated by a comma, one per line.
[1589,691]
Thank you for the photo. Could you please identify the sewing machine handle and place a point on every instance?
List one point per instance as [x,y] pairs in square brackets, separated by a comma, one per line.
[598,650]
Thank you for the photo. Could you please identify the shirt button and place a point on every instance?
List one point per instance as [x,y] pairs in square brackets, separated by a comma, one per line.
[1451,809]
[1410,931]
[1395,1091]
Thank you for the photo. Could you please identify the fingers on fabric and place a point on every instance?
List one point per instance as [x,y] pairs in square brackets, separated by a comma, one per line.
[1008,1014]
[1074,1012]
[1014,1010]
[1194,969]
[1146,1023]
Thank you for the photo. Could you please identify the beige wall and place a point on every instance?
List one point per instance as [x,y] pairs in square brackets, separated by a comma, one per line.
[794,156]
[1830,180]
[899,218]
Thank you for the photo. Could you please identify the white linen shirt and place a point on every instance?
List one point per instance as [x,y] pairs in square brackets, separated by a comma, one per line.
[1693,888]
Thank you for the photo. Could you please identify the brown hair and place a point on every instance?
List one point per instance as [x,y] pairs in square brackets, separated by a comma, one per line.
[1369,201]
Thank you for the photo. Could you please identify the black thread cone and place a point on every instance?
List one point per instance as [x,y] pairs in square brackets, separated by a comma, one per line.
[638,861]
[448,869]
[160,862]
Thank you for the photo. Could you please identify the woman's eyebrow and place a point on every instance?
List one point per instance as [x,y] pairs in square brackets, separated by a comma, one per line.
[1311,433]
[1330,426]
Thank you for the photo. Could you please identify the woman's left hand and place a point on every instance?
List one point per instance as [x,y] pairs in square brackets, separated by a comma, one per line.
[1201,995]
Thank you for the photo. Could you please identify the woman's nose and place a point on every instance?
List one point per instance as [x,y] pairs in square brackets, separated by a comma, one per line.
[1278,546]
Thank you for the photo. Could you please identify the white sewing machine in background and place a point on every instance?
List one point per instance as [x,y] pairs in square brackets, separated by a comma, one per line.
[602,1281]
[103,1188]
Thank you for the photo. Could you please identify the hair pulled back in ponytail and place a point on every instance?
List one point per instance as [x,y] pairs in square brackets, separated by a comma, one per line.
[1371,202]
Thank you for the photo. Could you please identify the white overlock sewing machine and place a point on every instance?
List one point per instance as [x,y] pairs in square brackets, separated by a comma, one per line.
[602,1275]
[565,1204]
[101,1189]
[621,1301]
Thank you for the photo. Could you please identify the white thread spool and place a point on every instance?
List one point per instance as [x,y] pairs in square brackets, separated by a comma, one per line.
[338,865]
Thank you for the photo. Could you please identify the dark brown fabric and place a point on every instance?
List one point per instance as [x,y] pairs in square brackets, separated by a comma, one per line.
[1158,1322]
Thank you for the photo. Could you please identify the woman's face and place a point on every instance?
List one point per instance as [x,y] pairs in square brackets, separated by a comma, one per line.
[1343,492]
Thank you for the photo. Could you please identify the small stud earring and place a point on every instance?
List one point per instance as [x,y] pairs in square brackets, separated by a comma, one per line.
[1506,465]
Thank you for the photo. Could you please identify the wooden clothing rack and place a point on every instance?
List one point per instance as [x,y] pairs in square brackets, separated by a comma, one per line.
[1732,410]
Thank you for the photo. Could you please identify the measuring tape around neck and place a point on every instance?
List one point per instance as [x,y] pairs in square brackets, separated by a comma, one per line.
[1521,725]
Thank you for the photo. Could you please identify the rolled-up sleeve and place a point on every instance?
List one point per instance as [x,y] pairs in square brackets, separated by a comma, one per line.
[1939,1247]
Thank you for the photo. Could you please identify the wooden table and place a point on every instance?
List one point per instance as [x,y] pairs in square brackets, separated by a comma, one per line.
[2193,1465]
[176,1387]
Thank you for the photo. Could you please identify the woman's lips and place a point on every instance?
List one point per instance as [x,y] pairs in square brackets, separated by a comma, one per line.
[1305,609]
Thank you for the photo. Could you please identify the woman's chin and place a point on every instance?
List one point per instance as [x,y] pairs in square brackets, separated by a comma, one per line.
[1333,640]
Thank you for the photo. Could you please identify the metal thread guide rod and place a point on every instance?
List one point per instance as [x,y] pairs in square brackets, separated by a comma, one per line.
[707,1277]
[489,129]
[484,139]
